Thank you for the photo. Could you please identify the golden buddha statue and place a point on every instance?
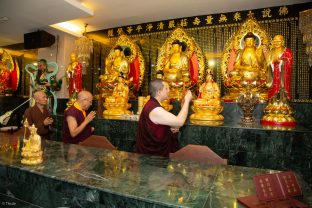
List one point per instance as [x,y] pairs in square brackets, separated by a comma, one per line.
[176,70]
[182,61]
[249,63]
[207,107]
[244,62]
[31,152]
[117,104]
[114,67]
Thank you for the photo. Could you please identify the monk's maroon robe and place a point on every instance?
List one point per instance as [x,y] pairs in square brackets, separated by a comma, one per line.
[154,139]
[78,115]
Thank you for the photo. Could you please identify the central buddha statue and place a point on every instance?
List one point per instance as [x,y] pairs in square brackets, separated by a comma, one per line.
[176,70]
[244,62]
[249,64]
[182,61]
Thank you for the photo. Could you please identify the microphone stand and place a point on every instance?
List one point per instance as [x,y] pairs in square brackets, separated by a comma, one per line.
[6,117]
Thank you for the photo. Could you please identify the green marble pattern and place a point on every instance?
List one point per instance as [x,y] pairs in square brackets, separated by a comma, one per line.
[77,176]
[245,146]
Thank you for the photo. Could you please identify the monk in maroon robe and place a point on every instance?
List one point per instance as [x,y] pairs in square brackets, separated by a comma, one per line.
[158,128]
[39,115]
[76,124]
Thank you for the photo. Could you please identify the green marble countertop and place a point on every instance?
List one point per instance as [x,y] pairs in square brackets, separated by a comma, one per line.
[154,180]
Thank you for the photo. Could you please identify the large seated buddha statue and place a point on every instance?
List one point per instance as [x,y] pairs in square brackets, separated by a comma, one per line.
[113,68]
[207,107]
[244,62]
[182,63]
[117,104]
[124,58]
[176,71]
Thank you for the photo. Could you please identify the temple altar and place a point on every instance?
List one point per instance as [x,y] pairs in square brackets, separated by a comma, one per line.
[244,146]
[253,147]
[78,176]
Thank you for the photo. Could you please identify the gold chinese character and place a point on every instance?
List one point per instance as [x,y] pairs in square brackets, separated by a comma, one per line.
[183,22]
[222,18]
[283,11]
[209,20]
[171,24]
[250,14]
[149,27]
[160,26]
[129,29]
[237,16]
[120,31]
[266,13]
[196,21]
[139,28]
[110,33]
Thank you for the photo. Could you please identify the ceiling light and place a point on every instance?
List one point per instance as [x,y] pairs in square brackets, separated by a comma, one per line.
[68,28]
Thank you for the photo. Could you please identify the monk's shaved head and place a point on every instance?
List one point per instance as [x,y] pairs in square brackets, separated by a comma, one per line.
[38,95]
[84,95]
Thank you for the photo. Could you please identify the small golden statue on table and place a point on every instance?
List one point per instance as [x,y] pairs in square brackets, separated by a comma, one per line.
[31,151]
[207,107]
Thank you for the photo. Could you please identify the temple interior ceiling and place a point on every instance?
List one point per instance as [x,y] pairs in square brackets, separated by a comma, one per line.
[18,18]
